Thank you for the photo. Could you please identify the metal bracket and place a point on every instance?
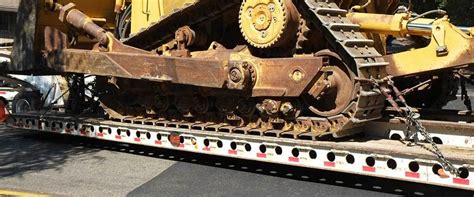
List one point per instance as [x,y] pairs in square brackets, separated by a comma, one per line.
[439,35]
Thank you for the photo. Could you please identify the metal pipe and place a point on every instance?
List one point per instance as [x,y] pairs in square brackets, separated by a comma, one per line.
[397,25]
[419,27]
[428,27]
[83,22]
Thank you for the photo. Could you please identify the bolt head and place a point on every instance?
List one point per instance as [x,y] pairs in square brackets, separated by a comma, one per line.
[235,75]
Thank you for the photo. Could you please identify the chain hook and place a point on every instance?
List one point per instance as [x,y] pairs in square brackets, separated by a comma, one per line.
[412,120]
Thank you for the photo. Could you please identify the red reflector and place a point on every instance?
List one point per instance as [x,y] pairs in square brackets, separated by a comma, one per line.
[461,181]
[233,152]
[412,175]
[206,149]
[294,159]
[158,142]
[118,137]
[100,135]
[175,139]
[329,164]
[83,133]
[137,139]
[368,169]
[3,92]
[261,155]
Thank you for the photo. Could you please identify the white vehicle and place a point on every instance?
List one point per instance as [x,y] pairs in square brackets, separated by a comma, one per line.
[18,95]
[4,59]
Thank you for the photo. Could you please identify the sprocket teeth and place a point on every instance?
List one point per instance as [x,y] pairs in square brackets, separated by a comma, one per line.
[248,32]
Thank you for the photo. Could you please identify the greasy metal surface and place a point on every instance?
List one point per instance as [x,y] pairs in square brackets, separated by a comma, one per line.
[356,109]
[361,108]
[212,72]
[358,52]
[270,77]
[141,66]
[281,83]
[81,21]
[54,39]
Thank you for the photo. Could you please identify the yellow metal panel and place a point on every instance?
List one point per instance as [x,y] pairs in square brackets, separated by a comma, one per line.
[460,51]
[395,25]
[145,12]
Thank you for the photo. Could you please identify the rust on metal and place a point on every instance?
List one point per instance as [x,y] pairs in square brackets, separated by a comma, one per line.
[81,21]
[266,66]
[54,40]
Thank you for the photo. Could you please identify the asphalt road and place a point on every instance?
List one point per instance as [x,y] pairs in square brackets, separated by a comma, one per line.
[64,165]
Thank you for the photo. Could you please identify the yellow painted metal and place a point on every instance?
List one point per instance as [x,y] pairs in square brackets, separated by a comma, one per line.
[395,25]
[146,12]
[263,22]
[449,48]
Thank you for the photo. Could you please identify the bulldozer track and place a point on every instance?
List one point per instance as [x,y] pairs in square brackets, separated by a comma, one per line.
[352,46]
[358,52]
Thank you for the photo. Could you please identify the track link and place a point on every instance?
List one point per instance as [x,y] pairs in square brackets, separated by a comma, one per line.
[360,54]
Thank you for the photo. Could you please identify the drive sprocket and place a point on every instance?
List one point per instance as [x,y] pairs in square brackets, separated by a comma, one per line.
[269,23]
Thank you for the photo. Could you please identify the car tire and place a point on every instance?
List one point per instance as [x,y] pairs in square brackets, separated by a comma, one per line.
[3,109]
[26,101]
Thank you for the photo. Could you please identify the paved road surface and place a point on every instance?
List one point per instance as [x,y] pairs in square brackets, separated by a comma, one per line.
[64,165]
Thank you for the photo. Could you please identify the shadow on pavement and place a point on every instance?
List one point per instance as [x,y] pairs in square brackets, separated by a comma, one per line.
[23,152]
[212,174]
[205,175]
[202,175]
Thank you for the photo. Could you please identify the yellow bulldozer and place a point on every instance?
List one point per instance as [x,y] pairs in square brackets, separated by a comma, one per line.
[309,68]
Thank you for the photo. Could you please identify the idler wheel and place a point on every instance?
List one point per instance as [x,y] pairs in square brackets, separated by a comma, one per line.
[332,93]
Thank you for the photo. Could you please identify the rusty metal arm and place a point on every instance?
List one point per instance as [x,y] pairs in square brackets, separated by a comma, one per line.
[233,70]
[112,58]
